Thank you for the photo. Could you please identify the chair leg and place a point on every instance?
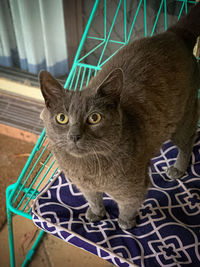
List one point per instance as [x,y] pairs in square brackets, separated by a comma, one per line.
[33,249]
[11,238]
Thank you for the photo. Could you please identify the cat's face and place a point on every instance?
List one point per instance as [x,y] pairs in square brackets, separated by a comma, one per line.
[83,122]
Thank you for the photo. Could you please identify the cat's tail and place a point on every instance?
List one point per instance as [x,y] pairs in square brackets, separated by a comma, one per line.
[188,27]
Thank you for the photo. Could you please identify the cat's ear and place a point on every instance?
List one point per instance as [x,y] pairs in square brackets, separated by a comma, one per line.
[42,114]
[52,90]
[112,84]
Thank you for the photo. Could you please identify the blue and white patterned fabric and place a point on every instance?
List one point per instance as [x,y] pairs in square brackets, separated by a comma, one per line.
[168,224]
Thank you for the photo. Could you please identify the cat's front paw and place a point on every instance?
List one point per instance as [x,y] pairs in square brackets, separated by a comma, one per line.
[126,225]
[174,173]
[92,217]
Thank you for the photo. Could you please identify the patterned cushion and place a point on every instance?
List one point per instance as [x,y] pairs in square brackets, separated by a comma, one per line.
[168,223]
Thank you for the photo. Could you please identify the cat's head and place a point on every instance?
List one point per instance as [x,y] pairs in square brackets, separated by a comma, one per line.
[83,122]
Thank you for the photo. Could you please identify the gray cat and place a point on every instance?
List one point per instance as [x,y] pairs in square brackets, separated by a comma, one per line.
[105,136]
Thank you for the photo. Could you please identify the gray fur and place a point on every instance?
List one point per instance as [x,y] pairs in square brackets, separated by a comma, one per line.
[146,94]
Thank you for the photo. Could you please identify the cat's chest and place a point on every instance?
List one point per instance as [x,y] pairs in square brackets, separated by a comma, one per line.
[89,173]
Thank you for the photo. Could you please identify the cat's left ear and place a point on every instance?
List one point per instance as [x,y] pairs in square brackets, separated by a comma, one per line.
[52,90]
[112,84]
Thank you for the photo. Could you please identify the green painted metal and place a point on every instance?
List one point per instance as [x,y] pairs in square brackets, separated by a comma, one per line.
[9,189]
[125,24]
[134,19]
[89,74]
[34,174]
[30,159]
[102,39]
[145,18]
[165,10]
[33,249]
[22,186]
[83,77]
[34,191]
[105,18]
[182,7]
[81,43]
[110,31]
[77,79]
[156,21]
[91,51]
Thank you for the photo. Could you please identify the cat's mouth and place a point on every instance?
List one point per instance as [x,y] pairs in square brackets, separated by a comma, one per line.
[76,151]
[80,152]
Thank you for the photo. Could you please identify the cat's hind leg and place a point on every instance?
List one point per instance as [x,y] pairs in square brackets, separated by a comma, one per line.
[96,210]
[184,138]
[179,168]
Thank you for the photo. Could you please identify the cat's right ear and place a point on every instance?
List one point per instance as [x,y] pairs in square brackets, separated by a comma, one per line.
[112,85]
[51,89]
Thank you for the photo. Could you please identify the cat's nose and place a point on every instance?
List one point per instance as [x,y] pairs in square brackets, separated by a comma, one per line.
[74,137]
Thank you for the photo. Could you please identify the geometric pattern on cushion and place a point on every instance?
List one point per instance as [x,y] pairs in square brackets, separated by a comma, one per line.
[168,223]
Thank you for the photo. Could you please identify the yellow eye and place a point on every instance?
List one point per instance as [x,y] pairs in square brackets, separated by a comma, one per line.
[94,118]
[62,118]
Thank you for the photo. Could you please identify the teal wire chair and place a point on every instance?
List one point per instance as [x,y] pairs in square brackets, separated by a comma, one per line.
[40,166]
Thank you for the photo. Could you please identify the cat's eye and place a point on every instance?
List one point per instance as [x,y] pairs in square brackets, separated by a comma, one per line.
[94,118]
[62,118]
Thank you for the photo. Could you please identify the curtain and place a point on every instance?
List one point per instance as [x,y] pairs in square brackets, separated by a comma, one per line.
[32,36]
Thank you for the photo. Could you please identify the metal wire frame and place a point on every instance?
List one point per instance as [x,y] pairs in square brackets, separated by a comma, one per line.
[122,4]
[34,174]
